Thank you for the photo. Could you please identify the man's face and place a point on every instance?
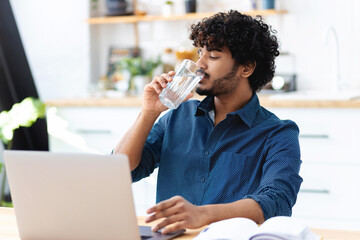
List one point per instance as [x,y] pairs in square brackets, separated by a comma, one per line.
[220,72]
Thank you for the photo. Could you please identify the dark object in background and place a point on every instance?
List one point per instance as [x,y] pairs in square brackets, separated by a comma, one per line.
[118,8]
[16,81]
[190,6]
[268,4]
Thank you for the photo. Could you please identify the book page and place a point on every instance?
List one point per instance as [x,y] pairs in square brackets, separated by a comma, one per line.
[282,224]
[234,228]
[283,227]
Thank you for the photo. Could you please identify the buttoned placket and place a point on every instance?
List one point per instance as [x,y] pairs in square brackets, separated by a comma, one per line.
[209,148]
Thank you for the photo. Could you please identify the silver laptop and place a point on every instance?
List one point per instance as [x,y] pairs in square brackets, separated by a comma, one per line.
[74,196]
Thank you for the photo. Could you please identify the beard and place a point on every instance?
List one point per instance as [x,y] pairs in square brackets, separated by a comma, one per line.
[223,85]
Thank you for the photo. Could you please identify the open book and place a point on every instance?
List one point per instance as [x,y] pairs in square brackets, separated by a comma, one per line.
[276,228]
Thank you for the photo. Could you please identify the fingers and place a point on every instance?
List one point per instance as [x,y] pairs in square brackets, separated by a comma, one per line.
[174,227]
[171,73]
[160,82]
[163,205]
[165,209]
[156,85]
[175,213]
[177,218]
[162,214]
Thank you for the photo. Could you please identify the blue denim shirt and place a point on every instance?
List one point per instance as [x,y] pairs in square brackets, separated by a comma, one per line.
[250,154]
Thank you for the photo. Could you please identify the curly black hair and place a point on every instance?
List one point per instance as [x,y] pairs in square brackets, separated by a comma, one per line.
[248,39]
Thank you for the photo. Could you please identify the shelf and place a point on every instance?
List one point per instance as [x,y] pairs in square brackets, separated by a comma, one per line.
[265,101]
[188,16]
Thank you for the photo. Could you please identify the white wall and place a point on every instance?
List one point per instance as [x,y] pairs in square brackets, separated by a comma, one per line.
[302,33]
[57,41]
[55,38]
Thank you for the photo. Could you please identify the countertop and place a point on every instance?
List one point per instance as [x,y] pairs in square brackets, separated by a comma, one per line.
[265,101]
[9,230]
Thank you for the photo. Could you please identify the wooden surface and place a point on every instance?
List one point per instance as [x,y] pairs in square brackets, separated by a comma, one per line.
[8,229]
[95,102]
[180,17]
[264,101]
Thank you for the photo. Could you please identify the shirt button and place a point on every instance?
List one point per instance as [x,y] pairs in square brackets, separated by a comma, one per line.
[206,153]
[202,180]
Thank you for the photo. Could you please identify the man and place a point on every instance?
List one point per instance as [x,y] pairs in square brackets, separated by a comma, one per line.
[225,156]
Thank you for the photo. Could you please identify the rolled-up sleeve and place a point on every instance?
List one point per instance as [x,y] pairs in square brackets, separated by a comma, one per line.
[280,182]
[152,150]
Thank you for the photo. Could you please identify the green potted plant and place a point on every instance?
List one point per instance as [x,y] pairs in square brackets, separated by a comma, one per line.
[22,114]
[137,67]
[168,8]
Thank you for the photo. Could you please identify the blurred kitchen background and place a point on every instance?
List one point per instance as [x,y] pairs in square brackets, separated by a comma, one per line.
[68,56]
[75,51]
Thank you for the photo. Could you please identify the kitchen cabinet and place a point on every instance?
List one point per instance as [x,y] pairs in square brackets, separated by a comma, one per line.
[88,129]
[329,141]
[97,130]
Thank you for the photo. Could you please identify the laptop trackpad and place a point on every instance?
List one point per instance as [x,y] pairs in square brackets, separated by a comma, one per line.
[147,233]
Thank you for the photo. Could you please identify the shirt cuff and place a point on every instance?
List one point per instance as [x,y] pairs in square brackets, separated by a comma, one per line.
[271,207]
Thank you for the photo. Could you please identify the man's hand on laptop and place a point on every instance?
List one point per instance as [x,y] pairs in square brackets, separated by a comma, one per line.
[178,214]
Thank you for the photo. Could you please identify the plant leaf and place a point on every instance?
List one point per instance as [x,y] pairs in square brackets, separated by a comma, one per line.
[22,114]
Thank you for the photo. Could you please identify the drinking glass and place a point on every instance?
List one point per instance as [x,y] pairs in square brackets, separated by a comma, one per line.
[185,79]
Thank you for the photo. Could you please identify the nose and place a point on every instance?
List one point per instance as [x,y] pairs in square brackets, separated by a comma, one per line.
[202,63]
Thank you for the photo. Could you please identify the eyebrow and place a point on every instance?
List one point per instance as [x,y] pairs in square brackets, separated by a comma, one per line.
[214,49]
[209,50]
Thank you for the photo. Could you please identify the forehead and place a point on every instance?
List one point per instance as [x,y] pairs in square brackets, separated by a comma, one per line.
[222,50]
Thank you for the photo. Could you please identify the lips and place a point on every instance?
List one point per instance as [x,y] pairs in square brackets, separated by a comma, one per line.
[205,76]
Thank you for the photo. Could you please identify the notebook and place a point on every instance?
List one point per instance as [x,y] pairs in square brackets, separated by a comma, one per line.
[74,196]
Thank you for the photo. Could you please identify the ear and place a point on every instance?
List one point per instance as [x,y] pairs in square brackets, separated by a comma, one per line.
[247,69]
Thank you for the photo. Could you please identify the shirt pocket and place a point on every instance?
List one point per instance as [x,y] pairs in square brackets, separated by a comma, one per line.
[235,174]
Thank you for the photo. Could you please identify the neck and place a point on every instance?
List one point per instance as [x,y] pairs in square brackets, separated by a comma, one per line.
[231,102]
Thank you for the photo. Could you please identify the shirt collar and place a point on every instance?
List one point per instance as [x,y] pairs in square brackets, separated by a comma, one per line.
[246,113]
[206,105]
